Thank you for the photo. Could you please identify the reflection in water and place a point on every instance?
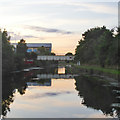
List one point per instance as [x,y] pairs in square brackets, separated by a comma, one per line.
[45,82]
[61,70]
[96,94]
[9,85]
[19,82]
[27,94]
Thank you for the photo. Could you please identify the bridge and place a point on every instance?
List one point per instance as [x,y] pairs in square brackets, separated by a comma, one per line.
[54,76]
[56,58]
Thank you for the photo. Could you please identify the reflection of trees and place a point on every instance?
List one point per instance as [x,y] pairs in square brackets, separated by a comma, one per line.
[18,81]
[42,81]
[95,94]
[5,104]
[51,70]
[9,84]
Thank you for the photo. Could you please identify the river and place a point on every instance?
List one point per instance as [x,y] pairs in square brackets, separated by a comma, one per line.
[53,93]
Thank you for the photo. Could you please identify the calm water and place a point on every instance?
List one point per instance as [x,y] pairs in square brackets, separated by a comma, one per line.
[52,93]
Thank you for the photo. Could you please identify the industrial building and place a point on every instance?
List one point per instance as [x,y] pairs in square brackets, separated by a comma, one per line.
[32,47]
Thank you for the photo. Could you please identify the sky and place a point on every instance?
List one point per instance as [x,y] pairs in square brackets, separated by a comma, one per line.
[60,22]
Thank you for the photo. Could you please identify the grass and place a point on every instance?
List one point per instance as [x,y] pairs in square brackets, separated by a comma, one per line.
[106,70]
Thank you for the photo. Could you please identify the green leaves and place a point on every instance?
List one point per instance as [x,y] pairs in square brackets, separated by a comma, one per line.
[97,47]
[43,51]
[7,53]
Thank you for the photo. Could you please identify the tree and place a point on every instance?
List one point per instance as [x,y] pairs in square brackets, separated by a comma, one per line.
[43,51]
[21,54]
[103,49]
[31,55]
[98,47]
[7,53]
[22,48]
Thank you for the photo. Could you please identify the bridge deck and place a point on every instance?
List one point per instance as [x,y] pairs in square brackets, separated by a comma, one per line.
[56,58]
[55,76]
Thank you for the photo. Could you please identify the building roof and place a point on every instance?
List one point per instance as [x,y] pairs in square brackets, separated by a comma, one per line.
[39,44]
[36,45]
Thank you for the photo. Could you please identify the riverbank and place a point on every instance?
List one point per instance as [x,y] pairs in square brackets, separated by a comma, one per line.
[93,70]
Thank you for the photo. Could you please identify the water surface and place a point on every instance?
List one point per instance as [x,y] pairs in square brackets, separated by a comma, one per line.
[52,93]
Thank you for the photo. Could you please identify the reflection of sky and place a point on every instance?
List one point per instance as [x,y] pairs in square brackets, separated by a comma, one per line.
[61,70]
[61,100]
[55,21]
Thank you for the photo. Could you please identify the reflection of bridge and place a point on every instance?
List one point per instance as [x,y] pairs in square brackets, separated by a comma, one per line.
[55,76]
[56,58]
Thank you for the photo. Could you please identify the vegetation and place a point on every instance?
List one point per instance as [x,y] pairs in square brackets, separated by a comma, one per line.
[16,60]
[21,49]
[95,68]
[31,55]
[43,51]
[7,53]
[112,71]
[99,46]
[21,54]
[13,60]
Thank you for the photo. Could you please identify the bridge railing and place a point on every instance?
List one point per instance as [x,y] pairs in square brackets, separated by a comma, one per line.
[69,58]
[55,76]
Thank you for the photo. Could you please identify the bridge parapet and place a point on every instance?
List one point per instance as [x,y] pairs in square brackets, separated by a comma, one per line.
[56,58]
[55,76]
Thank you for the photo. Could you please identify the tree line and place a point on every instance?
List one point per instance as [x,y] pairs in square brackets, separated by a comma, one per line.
[7,53]
[14,59]
[99,46]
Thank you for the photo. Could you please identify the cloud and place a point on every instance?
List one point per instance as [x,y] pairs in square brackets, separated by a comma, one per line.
[29,36]
[48,30]
[97,7]
[51,94]
[15,36]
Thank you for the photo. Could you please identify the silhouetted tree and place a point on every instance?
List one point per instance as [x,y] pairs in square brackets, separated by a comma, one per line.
[43,51]
[22,48]
[21,54]
[98,46]
[7,53]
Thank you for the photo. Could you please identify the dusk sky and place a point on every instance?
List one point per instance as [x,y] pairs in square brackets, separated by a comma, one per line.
[53,21]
